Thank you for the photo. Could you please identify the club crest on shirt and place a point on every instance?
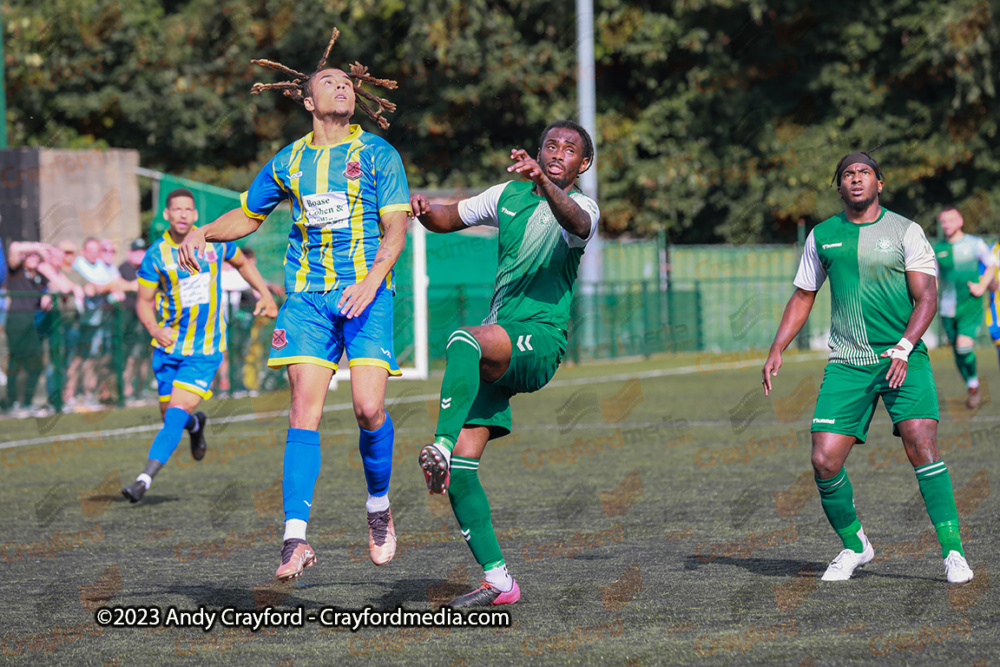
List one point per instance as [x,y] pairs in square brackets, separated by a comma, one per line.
[278,340]
[211,255]
[883,245]
[352,170]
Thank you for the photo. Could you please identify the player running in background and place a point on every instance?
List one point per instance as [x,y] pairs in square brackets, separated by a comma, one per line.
[966,269]
[544,225]
[349,202]
[188,328]
[883,290]
[992,308]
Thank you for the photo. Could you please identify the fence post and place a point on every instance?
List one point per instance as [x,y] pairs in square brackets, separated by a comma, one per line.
[699,323]
[574,351]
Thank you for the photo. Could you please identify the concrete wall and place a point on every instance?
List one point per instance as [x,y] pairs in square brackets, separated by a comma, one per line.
[89,193]
[51,195]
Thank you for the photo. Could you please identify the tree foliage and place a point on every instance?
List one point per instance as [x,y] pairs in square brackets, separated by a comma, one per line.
[717,119]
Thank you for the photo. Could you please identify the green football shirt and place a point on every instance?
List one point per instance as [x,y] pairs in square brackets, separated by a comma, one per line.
[538,259]
[958,264]
[867,265]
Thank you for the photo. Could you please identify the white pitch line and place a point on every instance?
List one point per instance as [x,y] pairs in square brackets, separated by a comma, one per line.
[682,370]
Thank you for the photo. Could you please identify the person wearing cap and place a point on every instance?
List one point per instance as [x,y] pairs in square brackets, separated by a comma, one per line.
[966,269]
[134,338]
[883,295]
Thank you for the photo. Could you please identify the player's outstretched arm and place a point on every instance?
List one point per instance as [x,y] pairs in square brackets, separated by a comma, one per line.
[229,226]
[923,289]
[794,318]
[568,213]
[439,218]
[265,304]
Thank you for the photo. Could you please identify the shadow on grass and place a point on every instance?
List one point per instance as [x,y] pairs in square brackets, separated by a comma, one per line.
[781,567]
[408,593]
[771,567]
[147,500]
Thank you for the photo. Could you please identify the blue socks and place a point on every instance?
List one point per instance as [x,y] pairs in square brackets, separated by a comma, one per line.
[175,420]
[302,461]
[376,454]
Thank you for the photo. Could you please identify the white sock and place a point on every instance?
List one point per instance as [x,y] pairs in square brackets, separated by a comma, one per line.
[145,479]
[973,383]
[377,503]
[295,529]
[500,578]
[445,452]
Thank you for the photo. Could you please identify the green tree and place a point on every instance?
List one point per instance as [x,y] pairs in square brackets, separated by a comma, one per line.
[718,120]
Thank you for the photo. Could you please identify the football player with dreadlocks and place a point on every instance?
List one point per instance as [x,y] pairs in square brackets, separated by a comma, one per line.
[883,296]
[349,201]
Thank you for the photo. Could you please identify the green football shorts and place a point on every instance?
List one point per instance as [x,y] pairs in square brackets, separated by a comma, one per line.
[535,352]
[849,394]
[962,326]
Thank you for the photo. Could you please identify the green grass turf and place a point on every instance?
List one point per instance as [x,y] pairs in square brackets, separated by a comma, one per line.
[707,570]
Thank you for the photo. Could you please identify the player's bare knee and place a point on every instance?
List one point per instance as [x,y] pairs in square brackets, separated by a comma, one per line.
[964,344]
[922,450]
[304,415]
[824,466]
[370,414]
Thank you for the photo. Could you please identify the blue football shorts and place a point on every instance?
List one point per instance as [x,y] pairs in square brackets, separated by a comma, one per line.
[193,372]
[311,330]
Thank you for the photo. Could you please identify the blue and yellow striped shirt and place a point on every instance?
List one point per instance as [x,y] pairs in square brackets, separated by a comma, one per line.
[992,317]
[337,194]
[189,303]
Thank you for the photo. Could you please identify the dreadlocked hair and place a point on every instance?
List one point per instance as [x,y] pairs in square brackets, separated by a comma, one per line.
[300,85]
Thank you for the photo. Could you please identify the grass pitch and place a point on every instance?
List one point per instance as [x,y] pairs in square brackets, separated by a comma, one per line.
[653,513]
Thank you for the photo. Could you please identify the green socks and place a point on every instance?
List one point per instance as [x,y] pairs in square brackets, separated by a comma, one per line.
[966,362]
[460,385]
[836,495]
[472,509]
[939,497]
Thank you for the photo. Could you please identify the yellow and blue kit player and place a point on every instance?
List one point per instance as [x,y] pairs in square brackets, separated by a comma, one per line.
[992,320]
[182,310]
[349,203]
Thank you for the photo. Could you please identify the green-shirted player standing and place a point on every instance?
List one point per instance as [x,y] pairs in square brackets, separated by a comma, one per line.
[543,227]
[883,290]
[963,278]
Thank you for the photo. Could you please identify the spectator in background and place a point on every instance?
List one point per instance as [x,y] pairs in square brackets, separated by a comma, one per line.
[239,299]
[233,286]
[27,285]
[66,287]
[134,337]
[108,252]
[110,326]
[102,285]
[70,313]
[69,255]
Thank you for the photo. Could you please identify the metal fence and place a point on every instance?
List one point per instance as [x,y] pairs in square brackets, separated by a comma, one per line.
[103,352]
